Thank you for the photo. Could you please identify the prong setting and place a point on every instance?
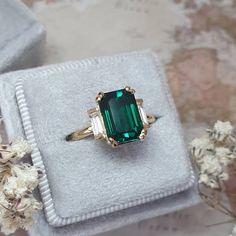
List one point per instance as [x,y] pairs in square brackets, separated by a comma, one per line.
[129,89]
[151,118]
[92,112]
[99,96]
[143,134]
[139,101]
[112,142]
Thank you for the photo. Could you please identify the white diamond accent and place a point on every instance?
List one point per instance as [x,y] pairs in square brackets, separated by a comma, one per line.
[143,115]
[97,126]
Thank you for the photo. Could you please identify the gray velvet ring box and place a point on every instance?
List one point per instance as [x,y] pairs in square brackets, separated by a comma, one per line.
[88,182]
[22,37]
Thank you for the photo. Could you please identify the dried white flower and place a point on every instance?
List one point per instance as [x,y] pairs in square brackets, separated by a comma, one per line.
[3,202]
[20,148]
[222,151]
[14,152]
[222,131]
[28,206]
[203,179]
[224,155]
[16,214]
[212,156]
[225,161]
[24,179]
[14,188]
[17,182]
[213,184]
[210,165]
[6,155]
[8,226]
[224,176]
[14,220]
[199,146]
[223,127]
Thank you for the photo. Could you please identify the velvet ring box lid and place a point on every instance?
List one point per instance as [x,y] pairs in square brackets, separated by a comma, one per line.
[88,179]
[22,37]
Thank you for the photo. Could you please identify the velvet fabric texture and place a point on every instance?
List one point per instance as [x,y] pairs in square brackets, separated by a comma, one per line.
[88,181]
[22,37]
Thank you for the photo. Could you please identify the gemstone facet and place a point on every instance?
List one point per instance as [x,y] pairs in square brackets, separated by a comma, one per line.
[121,116]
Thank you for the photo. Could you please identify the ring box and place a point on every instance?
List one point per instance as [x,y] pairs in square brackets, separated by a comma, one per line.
[87,187]
[22,37]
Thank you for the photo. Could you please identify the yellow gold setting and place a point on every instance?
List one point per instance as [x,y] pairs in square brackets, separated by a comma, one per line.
[97,127]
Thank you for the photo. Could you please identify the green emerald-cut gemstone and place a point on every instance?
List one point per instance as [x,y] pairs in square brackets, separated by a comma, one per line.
[121,116]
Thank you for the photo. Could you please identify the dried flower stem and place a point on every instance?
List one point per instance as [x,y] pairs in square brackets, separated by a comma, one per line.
[214,157]
[17,182]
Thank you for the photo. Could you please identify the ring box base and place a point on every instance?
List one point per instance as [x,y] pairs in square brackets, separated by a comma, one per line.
[136,181]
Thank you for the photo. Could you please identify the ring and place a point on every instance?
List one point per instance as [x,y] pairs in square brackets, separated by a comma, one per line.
[119,118]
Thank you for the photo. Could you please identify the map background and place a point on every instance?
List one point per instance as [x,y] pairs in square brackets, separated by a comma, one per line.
[196,43]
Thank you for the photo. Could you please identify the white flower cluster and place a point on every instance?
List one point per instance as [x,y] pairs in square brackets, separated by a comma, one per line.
[213,153]
[17,182]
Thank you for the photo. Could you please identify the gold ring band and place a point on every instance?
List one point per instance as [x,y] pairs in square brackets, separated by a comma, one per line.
[88,131]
